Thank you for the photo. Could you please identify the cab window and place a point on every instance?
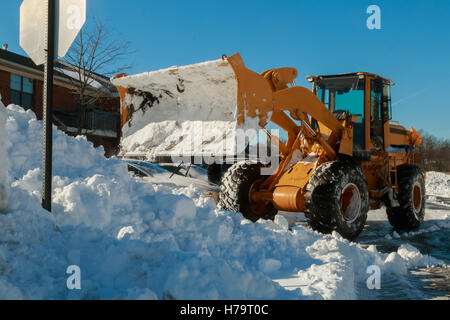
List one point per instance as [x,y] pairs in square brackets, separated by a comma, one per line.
[345,93]
[380,110]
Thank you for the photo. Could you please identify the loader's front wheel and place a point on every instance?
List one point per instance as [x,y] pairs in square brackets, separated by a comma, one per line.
[337,199]
[411,196]
[214,173]
[236,187]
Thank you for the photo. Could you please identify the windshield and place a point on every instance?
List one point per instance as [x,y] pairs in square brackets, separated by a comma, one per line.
[345,93]
[147,167]
[342,94]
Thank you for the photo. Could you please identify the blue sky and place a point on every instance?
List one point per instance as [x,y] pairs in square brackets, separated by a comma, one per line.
[316,37]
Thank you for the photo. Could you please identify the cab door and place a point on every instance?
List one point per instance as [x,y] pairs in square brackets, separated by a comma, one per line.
[379,112]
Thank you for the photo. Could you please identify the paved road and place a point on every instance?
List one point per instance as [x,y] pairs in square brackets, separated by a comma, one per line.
[432,238]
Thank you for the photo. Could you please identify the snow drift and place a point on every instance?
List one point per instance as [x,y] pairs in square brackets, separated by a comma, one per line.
[136,240]
[4,180]
[438,184]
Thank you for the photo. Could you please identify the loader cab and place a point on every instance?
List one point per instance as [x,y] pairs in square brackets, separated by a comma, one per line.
[362,94]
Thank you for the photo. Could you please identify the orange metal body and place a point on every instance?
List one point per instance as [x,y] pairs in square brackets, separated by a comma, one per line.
[124,111]
[268,97]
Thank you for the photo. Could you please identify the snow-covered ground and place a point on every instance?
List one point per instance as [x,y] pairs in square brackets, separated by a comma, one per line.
[432,238]
[138,240]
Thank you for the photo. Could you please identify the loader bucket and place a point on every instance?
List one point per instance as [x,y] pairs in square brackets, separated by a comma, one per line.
[192,110]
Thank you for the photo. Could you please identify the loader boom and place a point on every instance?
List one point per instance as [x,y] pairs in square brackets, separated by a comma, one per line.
[260,96]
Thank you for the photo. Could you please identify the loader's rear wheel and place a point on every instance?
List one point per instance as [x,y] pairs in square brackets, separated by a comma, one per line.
[235,189]
[337,199]
[411,196]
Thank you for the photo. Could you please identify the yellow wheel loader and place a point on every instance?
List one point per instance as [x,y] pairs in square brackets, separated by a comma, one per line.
[343,155]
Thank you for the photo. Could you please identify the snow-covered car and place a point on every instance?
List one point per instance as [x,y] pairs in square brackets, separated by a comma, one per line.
[157,174]
[186,170]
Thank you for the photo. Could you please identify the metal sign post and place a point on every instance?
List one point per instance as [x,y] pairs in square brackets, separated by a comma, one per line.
[48,108]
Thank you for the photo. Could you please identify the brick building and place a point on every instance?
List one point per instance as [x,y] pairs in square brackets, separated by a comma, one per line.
[21,83]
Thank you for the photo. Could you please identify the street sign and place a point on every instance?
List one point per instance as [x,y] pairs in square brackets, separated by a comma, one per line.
[70,18]
[33,14]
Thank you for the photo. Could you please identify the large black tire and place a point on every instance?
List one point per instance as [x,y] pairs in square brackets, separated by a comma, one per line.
[411,196]
[214,173]
[337,199]
[235,189]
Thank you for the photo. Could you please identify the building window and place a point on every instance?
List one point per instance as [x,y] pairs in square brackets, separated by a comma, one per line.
[21,91]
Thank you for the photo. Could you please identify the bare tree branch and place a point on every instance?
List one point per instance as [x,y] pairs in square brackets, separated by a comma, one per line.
[96,51]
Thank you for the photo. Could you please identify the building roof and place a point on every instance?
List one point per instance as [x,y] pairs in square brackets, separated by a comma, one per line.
[64,74]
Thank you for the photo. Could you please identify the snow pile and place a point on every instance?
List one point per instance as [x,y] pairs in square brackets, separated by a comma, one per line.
[182,138]
[183,111]
[181,104]
[438,184]
[136,240]
[4,179]
[131,239]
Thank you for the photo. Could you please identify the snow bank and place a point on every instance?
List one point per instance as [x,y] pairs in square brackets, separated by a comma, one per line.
[4,179]
[136,240]
[438,184]
[131,239]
